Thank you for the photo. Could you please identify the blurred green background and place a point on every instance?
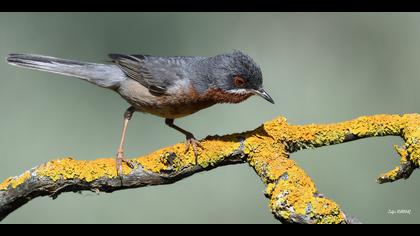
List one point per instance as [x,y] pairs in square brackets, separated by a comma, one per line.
[318,67]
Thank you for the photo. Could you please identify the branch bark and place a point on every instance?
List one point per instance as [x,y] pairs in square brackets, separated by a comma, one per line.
[293,195]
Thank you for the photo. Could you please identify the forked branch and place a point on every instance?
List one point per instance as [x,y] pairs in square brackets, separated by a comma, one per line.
[293,195]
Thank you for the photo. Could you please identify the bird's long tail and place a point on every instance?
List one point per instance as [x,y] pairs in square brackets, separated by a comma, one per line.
[104,75]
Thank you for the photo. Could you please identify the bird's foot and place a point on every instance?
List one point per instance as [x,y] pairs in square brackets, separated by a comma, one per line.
[192,141]
[120,159]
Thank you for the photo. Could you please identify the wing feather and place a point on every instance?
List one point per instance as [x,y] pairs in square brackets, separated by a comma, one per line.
[155,73]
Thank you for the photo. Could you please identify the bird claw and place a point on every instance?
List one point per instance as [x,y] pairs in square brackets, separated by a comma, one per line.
[191,141]
[120,159]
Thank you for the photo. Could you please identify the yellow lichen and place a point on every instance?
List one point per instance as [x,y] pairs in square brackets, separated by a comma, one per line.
[391,175]
[269,189]
[298,192]
[5,184]
[19,180]
[267,155]
[290,189]
[156,161]
[15,181]
[214,149]
[69,168]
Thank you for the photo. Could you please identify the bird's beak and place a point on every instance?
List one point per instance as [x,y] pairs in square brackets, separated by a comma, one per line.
[262,93]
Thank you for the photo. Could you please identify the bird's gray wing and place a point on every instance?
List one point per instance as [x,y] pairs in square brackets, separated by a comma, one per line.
[155,73]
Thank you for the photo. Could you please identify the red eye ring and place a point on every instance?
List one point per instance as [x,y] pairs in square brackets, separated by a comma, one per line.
[239,81]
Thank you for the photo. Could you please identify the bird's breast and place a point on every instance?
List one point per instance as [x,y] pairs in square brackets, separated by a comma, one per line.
[179,102]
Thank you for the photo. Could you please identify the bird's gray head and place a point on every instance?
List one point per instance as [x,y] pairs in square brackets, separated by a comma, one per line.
[237,75]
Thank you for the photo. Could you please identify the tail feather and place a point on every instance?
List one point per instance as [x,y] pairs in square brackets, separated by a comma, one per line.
[104,75]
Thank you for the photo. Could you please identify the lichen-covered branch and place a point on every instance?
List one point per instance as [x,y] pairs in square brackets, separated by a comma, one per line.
[293,195]
[406,126]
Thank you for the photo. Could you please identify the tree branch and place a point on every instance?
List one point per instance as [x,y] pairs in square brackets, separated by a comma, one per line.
[293,195]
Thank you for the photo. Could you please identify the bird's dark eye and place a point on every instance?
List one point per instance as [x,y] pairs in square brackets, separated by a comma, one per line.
[239,81]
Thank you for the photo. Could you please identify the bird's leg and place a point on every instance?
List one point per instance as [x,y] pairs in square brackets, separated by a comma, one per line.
[120,154]
[190,139]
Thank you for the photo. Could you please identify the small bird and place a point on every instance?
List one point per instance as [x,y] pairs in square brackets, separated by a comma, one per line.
[167,86]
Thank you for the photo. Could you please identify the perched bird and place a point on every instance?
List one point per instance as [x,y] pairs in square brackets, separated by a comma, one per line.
[167,86]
